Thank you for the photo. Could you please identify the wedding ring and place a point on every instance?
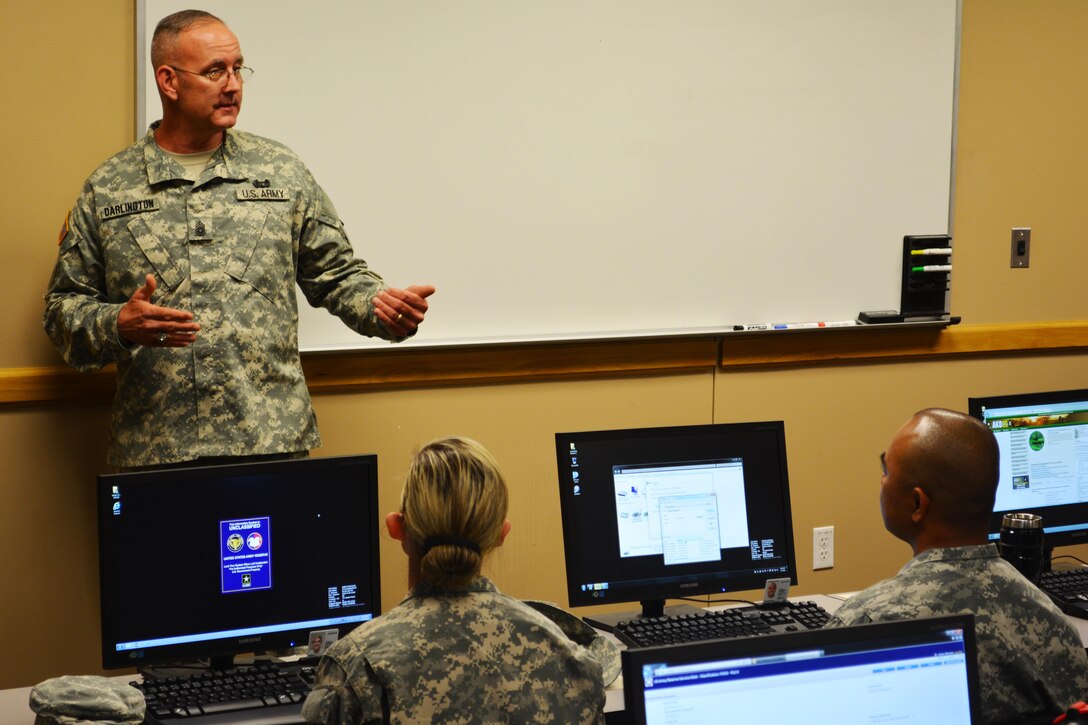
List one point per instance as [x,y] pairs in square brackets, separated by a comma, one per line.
[398,318]
[162,337]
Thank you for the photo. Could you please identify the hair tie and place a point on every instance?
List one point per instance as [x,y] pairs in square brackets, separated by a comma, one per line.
[433,541]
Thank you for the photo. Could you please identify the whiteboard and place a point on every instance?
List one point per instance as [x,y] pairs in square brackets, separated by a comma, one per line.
[570,169]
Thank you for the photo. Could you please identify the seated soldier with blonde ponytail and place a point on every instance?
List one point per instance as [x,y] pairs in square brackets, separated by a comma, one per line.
[456,649]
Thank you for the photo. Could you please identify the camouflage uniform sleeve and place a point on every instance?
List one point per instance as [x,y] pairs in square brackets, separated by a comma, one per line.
[329,273]
[79,318]
[335,697]
[850,613]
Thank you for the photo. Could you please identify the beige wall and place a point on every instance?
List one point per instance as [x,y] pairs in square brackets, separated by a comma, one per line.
[68,70]
[1021,156]
[1021,162]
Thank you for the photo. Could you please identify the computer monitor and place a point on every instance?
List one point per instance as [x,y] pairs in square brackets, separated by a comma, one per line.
[210,562]
[652,514]
[921,670]
[1043,441]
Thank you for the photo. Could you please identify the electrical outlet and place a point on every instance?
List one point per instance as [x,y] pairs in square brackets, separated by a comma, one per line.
[823,547]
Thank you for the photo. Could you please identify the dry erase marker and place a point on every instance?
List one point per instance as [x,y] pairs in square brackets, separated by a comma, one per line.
[933,251]
[932,268]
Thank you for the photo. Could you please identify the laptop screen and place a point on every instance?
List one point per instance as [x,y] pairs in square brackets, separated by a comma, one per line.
[918,671]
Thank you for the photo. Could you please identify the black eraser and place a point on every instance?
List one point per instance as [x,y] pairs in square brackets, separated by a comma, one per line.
[876,317]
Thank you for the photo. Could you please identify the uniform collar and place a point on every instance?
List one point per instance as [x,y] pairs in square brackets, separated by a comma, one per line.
[229,164]
[953,553]
[479,584]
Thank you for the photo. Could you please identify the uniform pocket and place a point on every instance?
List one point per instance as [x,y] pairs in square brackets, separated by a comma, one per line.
[265,262]
[135,251]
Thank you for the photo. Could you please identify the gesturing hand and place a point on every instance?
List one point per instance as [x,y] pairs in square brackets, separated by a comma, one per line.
[143,323]
[402,310]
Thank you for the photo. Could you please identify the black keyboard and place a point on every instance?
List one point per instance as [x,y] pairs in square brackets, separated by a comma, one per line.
[723,624]
[263,693]
[1068,589]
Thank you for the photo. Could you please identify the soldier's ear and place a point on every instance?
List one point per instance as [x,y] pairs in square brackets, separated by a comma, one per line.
[395,523]
[921,505]
[399,531]
[166,78]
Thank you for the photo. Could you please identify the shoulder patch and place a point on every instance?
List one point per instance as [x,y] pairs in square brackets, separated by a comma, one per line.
[63,229]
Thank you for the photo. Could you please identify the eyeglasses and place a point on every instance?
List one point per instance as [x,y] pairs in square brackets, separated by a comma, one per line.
[216,75]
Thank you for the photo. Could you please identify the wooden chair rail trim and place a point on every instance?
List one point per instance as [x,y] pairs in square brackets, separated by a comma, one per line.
[874,344]
[432,367]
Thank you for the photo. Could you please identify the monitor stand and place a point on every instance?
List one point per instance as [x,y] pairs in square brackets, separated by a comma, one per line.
[650,608]
[221,662]
[187,667]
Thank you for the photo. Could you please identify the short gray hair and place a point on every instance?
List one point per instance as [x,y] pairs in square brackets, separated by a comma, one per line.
[170,27]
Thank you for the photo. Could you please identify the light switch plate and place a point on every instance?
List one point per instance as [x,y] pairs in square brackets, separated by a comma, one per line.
[1021,247]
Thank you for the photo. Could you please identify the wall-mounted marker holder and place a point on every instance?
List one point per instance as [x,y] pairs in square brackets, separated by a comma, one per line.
[927,270]
[925,292]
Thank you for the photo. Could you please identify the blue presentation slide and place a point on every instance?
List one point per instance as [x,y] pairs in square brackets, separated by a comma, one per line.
[245,552]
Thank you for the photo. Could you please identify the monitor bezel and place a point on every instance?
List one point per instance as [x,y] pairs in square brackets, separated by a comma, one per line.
[219,652]
[1053,516]
[661,590]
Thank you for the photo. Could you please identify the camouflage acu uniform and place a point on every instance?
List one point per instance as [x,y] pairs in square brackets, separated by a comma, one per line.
[1025,643]
[229,248]
[476,656]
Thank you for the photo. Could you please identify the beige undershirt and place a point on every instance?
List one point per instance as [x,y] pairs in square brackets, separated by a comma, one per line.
[192,163]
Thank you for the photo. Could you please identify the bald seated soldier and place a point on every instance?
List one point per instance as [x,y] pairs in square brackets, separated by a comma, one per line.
[179,263]
[937,494]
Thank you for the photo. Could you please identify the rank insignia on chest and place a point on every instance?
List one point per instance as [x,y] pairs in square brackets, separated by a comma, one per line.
[263,194]
[200,231]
